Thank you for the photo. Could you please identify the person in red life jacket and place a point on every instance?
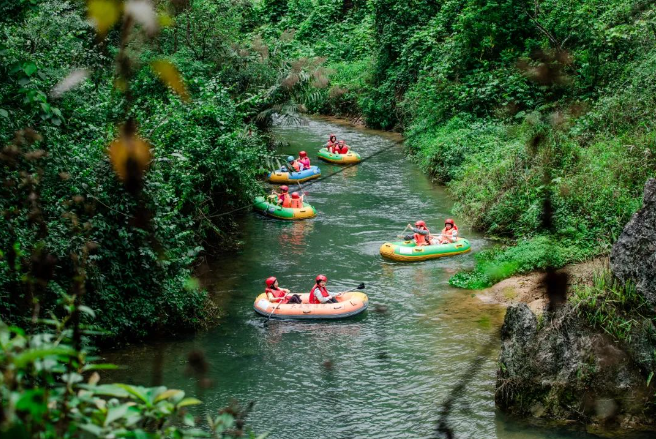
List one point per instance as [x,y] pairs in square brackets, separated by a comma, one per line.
[297,201]
[304,159]
[319,292]
[421,234]
[275,294]
[332,143]
[449,232]
[292,164]
[284,199]
[341,148]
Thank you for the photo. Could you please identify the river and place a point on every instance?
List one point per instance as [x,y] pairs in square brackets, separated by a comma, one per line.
[388,373]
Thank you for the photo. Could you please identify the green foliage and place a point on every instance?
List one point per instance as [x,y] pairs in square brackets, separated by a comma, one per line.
[50,389]
[557,102]
[612,306]
[500,263]
[135,255]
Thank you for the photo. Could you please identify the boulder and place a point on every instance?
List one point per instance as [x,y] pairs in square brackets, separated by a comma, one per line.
[560,369]
[633,257]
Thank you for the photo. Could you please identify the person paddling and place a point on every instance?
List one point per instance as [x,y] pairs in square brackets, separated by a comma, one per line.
[421,234]
[304,160]
[319,293]
[293,165]
[275,294]
[284,199]
[449,233]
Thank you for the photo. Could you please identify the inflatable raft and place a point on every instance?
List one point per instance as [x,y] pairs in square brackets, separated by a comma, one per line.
[340,159]
[349,304]
[283,176]
[408,251]
[284,213]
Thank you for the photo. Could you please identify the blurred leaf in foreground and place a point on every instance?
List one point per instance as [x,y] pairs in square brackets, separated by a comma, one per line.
[103,14]
[169,75]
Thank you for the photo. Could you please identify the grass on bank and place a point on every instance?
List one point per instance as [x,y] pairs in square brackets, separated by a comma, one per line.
[608,304]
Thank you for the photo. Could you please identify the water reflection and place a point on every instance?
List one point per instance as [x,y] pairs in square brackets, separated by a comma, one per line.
[292,239]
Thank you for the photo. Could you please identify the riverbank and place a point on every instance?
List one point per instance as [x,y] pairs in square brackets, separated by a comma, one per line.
[531,289]
[592,358]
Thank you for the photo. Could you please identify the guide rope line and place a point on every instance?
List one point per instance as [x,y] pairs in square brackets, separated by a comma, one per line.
[344,168]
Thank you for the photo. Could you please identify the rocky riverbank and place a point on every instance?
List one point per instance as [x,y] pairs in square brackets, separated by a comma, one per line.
[590,360]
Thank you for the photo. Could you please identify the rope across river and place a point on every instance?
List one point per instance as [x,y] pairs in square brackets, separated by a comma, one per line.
[339,171]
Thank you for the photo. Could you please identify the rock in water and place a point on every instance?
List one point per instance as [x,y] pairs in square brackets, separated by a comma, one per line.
[560,369]
[633,257]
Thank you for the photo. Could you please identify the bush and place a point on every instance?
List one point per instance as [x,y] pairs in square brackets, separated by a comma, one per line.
[49,388]
[67,215]
[609,305]
[538,253]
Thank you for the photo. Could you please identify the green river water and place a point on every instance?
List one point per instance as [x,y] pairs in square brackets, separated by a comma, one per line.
[384,374]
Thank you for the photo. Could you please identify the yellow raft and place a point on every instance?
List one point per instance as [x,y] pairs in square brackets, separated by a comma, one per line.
[284,213]
[339,159]
[408,251]
[349,304]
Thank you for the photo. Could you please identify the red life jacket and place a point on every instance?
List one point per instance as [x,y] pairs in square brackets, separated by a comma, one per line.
[452,234]
[296,203]
[285,199]
[324,293]
[296,166]
[305,161]
[277,293]
[422,239]
[331,147]
[342,149]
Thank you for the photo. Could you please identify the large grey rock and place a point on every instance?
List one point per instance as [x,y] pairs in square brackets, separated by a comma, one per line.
[633,257]
[561,369]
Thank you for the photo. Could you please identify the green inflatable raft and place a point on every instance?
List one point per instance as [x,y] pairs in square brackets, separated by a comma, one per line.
[341,159]
[408,251]
[284,213]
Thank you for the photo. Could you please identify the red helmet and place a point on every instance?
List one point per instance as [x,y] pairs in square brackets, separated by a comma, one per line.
[420,224]
[295,195]
[270,281]
[321,278]
[302,154]
[449,221]
[284,188]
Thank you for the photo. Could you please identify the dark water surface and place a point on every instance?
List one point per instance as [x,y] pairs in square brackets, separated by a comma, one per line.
[384,374]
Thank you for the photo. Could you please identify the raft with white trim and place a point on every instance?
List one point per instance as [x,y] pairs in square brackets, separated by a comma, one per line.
[408,251]
[339,159]
[349,304]
[284,213]
[282,175]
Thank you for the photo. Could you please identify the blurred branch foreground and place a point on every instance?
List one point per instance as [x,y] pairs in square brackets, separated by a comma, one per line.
[78,239]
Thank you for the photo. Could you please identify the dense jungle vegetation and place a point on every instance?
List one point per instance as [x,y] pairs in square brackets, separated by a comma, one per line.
[487,103]
[490,93]
[129,129]
[75,78]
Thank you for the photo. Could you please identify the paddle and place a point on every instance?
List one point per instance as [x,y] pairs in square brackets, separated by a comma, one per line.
[274,310]
[301,189]
[359,287]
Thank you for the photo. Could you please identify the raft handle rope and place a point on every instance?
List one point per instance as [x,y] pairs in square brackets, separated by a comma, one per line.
[344,168]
